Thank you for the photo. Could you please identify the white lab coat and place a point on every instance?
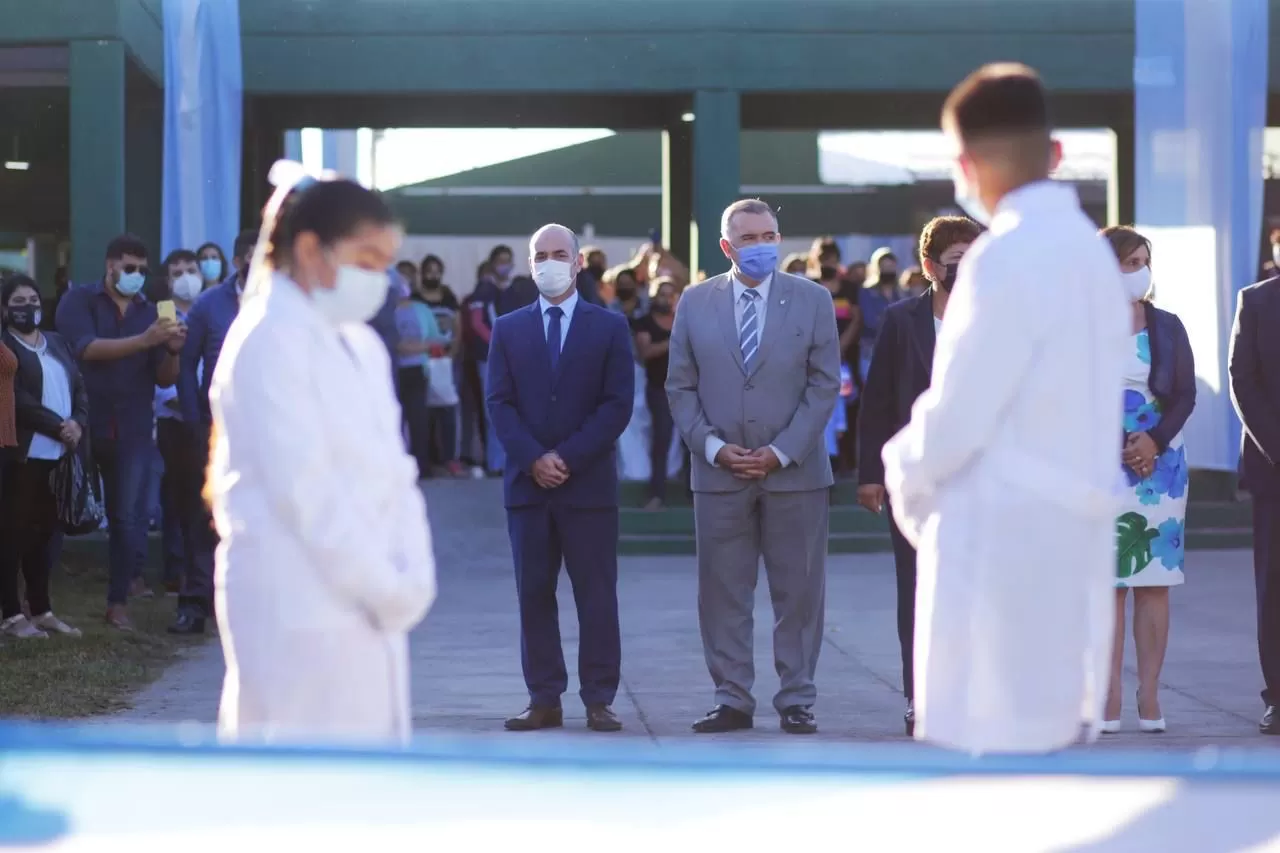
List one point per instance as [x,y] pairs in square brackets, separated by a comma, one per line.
[1007,479]
[325,559]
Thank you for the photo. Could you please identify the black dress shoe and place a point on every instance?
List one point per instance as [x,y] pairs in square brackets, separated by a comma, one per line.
[536,717]
[910,718]
[1270,724]
[187,624]
[798,720]
[600,718]
[723,719]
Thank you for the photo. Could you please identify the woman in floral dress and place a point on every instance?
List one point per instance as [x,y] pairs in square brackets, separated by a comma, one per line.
[1159,395]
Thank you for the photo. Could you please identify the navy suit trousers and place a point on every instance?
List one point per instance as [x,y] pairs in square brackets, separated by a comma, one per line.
[585,541]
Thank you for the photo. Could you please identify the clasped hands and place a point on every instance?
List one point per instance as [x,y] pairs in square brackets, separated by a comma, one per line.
[1140,454]
[70,433]
[748,464]
[550,471]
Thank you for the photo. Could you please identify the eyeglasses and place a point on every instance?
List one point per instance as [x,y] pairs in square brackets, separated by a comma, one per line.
[130,269]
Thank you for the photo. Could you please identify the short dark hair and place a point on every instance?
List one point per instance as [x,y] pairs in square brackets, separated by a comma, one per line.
[178,256]
[943,232]
[12,283]
[431,259]
[1001,99]
[126,244]
[244,243]
[498,250]
[329,209]
[409,265]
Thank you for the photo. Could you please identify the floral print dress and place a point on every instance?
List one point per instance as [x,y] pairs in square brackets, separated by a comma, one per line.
[1152,523]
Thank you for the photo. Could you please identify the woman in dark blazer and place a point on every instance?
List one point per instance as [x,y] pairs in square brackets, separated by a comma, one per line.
[1159,396]
[52,411]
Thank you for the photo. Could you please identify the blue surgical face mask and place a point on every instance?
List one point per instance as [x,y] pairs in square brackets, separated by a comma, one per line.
[757,261]
[211,269]
[130,283]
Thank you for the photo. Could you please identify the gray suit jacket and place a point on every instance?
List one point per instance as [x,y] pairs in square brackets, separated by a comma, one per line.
[787,399]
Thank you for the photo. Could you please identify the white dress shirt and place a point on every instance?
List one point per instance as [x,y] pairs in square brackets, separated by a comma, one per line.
[567,307]
[714,442]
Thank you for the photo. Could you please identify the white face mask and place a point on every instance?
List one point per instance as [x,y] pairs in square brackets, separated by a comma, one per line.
[1137,284]
[188,286]
[553,277]
[355,297]
[967,199]
[1275,254]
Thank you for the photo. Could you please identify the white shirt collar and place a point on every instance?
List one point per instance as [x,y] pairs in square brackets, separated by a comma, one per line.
[762,288]
[567,306]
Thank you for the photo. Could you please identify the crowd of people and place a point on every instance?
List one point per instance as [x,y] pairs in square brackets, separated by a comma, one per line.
[965,399]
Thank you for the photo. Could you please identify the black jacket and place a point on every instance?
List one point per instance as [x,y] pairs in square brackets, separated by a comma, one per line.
[28,391]
[1254,367]
[901,370]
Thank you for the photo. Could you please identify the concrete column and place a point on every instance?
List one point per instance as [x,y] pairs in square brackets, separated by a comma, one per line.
[717,173]
[677,191]
[144,168]
[97,153]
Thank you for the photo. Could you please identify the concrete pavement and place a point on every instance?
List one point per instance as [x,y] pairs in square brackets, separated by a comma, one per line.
[466,668]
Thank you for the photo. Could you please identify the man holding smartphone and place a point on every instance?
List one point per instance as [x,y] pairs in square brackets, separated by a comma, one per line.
[125,350]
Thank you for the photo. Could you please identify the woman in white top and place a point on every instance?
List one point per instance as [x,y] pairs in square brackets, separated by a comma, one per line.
[52,411]
[324,562]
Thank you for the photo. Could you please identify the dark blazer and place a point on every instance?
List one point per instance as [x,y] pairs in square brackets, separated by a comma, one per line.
[1254,368]
[1173,373]
[32,416]
[579,412]
[901,370]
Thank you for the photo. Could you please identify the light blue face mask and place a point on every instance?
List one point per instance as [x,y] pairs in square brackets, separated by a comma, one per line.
[130,283]
[759,260]
[211,269]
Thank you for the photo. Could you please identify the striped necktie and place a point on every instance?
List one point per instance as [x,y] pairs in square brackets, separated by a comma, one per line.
[749,329]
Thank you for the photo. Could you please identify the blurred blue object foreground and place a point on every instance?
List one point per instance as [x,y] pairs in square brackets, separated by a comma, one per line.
[107,789]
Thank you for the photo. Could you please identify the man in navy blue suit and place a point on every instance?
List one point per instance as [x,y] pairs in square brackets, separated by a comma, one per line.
[561,386]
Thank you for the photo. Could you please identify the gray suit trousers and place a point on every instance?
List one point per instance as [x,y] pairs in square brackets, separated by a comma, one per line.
[734,530]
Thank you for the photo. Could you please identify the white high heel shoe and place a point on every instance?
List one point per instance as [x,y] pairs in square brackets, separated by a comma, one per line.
[1109,727]
[1151,727]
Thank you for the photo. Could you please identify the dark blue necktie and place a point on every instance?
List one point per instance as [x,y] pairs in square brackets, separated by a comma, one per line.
[554,313]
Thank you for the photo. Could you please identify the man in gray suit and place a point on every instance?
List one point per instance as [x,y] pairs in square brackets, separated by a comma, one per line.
[754,375]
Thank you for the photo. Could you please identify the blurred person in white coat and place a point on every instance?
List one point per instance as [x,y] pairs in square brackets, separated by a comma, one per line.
[325,559]
[1005,478]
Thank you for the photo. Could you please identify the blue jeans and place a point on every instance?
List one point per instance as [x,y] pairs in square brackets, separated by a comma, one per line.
[126,469]
[495,458]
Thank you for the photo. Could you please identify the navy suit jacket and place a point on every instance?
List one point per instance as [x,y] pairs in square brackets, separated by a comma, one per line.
[579,412]
[1254,366]
[901,370]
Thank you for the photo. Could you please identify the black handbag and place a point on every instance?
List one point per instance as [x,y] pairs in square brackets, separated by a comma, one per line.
[78,493]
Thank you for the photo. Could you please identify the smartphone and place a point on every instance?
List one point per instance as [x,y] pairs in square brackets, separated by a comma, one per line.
[167,310]
[655,236]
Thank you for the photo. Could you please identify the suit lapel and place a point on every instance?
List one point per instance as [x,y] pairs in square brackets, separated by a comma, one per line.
[723,299]
[780,300]
[578,332]
[924,334]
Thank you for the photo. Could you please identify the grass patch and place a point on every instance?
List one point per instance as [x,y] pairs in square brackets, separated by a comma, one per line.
[67,678]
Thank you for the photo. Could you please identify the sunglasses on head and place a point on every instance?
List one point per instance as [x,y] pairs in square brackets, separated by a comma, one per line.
[130,269]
